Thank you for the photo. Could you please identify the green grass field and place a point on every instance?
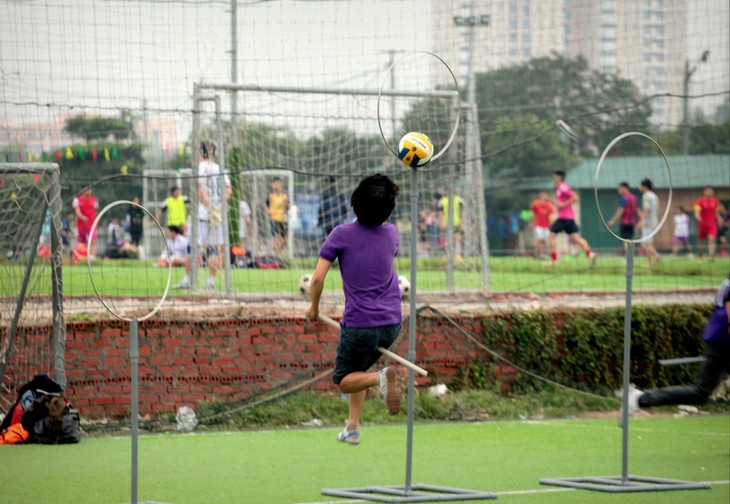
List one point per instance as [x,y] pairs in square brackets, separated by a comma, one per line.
[292,466]
[508,274]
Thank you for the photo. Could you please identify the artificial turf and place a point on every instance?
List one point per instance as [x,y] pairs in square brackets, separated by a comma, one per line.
[292,466]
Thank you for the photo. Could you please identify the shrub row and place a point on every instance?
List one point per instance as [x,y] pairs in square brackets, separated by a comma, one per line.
[583,348]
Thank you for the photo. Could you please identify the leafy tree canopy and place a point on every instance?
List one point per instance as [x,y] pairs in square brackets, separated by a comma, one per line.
[597,105]
[92,128]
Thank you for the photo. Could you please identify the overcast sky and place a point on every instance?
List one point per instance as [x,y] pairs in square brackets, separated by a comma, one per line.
[103,55]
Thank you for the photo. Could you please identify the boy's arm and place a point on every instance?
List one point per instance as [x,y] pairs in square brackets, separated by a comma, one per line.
[202,196]
[616,216]
[316,287]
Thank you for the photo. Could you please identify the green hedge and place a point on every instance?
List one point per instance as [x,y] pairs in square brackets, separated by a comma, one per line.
[583,348]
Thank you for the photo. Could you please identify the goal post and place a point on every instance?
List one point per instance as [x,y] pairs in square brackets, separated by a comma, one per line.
[326,140]
[32,324]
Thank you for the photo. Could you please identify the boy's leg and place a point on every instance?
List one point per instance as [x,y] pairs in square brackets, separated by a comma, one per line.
[359,381]
[717,361]
[582,243]
[711,246]
[552,243]
[356,401]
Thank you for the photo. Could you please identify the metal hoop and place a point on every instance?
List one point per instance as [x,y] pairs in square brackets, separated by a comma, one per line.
[380,94]
[91,275]
[595,187]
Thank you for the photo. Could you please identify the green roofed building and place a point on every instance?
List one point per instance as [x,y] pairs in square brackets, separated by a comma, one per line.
[689,176]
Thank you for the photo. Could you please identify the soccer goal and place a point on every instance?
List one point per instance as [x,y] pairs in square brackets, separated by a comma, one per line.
[32,326]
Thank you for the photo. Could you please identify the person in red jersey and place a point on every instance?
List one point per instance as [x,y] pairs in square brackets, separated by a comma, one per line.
[85,206]
[707,212]
[626,213]
[542,209]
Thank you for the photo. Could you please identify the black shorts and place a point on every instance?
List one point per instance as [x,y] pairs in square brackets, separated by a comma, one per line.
[567,226]
[279,228]
[626,231]
[358,348]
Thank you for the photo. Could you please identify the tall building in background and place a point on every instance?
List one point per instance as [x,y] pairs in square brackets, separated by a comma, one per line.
[644,41]
[641,40]
[507,32]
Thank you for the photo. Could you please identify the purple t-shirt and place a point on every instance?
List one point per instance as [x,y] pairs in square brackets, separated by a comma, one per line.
[366,254]
[716,327]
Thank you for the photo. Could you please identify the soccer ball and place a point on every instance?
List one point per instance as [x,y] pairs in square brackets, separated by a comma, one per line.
[404,285]
[415,149]
[304,285]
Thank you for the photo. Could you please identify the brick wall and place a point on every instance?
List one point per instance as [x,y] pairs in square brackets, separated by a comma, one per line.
[183,362]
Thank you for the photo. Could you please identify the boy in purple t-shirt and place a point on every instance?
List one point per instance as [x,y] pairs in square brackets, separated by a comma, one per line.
[716,350]
[372,317]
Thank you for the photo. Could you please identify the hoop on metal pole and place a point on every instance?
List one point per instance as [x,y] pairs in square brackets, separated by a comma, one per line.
[409,492]
[133,337]
[626,482]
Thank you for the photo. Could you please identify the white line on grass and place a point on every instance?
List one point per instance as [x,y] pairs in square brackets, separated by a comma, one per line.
[578,423]
[507,492]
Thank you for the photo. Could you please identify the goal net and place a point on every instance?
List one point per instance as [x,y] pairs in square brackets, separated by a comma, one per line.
[32,329]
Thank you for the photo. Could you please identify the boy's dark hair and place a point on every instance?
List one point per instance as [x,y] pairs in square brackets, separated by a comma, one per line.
[173,189]
[373,200]
[560,173]
[275,179]
[207,149]
[625,184]
[647,183]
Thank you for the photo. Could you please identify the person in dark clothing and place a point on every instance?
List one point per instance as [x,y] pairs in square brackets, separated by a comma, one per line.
[716,351]
[332,207]
[135,221]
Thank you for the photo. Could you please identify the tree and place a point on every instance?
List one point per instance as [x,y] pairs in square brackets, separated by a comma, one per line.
[100,127]
[522,148]
[116,179]
[707,138]
[526,147]
[597,105]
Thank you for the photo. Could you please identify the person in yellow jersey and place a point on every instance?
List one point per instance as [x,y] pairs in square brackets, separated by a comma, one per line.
[277,205]
[458,214]
[175,206]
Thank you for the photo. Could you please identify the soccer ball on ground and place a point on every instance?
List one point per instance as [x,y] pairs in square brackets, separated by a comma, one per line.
[305,283]
[415,149]
[405,286]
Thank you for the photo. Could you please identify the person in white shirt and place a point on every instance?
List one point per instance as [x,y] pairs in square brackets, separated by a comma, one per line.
[649,214]
[213,191]
[178,253]
[244,222]
[681,231]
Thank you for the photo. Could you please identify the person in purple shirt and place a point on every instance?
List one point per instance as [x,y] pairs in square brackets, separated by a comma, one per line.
[372,317]
[716,350]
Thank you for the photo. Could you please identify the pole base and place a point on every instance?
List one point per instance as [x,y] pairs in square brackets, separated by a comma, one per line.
[418,493]
[615,484]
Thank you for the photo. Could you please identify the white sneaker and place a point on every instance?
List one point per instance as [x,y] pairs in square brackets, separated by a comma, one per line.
[634,395]
[185,284]
[210,283]
[352,438]
[389,389]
